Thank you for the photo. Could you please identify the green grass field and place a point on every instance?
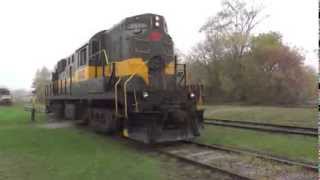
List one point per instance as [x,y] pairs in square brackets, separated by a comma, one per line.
[292,146]
[304,117]
[30,152]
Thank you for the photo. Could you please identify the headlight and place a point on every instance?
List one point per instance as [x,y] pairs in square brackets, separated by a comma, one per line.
[157,18]
[145,94]
[192,95]
[157,24]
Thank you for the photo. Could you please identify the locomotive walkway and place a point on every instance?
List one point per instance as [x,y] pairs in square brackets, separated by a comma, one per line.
[263,127]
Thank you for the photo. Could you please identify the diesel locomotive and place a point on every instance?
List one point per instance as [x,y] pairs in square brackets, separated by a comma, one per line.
[127,80]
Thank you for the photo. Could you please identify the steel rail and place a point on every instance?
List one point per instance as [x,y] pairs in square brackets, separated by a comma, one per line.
[229,149]
[265,124]
[204,165]
[263,127]
[307,165]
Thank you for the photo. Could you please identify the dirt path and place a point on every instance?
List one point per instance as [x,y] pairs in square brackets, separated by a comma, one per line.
[55,125]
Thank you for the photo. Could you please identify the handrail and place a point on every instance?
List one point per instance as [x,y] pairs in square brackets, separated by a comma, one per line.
[184,77]
[116,95]
[136,104]
[125,95]
[104,53]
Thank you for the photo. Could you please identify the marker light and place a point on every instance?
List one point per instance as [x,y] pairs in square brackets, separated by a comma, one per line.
[145,94]
[192,95]
[155,36]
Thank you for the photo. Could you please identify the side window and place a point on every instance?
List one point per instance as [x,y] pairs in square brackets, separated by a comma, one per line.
[83,56]
[78,59]
[95,55]
[95,47]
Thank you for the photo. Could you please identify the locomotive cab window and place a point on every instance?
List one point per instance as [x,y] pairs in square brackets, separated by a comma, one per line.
[94,47]
[95,55]
[83,56]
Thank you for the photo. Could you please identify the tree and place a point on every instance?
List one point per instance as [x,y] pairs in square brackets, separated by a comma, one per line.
[238,66]
[204,62]
[227,40]
[274,73]
[234,23]
[42,78]
[310,83]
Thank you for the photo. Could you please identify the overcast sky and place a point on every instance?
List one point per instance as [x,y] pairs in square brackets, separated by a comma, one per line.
[38,33]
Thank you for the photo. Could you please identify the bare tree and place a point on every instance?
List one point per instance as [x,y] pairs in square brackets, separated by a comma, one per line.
[234,23]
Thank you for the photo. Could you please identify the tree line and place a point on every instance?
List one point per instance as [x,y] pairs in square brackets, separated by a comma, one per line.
[234,65]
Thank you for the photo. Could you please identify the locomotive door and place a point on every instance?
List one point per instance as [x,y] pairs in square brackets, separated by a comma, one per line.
[96,65]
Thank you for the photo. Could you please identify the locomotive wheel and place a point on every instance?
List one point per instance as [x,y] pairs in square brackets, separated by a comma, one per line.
[58,110]
[85,117]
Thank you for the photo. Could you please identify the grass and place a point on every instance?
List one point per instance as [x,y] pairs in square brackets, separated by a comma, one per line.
[28,151]
[292,146]
[304,117]
[16,116]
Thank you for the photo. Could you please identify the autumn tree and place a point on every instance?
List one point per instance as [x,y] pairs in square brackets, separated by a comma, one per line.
[310,84]
[216,60]
[272,71]
[236,65]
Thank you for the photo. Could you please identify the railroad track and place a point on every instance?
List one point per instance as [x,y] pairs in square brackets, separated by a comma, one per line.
[238,164]
[189,157]
[235,163]
[263,127]
[304,164]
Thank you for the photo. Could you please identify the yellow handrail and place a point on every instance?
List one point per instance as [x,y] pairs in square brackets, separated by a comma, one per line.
[116,95]
[105,55]
[125,95]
